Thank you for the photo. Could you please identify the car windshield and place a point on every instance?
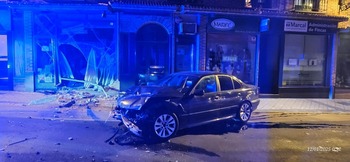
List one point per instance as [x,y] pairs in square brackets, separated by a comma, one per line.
[183,83]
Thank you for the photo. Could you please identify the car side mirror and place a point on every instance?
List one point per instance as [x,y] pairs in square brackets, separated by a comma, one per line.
[199,92]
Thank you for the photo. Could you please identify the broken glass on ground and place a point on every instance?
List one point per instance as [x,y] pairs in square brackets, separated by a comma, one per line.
[43,100]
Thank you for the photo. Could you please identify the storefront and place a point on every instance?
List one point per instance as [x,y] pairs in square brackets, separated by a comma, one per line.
[232,46]
[50,46]
[304,57]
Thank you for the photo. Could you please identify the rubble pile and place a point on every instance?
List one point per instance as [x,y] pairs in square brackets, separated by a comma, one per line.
[68,97]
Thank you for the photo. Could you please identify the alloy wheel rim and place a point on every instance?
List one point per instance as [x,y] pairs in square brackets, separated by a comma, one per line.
[245,112]
[165,125]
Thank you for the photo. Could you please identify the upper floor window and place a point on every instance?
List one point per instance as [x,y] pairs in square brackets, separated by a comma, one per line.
[266,4]
[310,5]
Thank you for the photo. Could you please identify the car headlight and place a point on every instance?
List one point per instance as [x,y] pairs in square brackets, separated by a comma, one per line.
[137,105]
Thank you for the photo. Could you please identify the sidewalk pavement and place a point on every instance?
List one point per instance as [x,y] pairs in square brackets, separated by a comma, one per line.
[304,105]
[14,98]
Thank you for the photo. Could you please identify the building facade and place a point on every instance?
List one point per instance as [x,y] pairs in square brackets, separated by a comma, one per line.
[287,48]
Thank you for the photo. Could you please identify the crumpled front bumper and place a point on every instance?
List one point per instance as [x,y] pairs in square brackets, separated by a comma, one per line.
[131,126]
[134,120]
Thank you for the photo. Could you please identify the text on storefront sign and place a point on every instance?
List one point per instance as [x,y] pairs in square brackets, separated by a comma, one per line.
[222,24]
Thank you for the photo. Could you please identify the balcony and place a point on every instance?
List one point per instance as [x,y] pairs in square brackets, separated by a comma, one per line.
[312,6]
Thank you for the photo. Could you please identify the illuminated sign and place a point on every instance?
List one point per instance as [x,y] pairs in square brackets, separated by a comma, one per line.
[264,25]
[222,24]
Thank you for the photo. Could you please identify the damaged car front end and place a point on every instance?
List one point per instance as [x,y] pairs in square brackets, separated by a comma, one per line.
[139,108]
[128,110]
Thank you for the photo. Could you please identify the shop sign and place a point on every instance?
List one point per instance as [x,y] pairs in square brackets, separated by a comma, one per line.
[309,26]
[222,24]
[295,26]
[322,27]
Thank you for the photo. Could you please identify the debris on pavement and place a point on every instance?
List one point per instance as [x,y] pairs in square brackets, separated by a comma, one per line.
[17,142]
[68,97]
[80,96]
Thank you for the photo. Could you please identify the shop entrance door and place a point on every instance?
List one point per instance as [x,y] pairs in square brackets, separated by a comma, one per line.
[5,77]
[152,49]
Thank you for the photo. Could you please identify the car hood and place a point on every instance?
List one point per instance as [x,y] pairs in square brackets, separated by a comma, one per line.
[154,91]
[137,96]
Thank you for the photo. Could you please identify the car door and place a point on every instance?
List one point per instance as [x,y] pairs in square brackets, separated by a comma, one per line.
[202,106]
[230,96]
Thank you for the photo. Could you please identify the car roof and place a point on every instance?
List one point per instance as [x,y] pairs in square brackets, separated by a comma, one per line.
[198,73]
[205,73]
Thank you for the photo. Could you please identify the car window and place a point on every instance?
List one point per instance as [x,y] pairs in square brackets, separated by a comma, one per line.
[225,83]
[208,84]
[181,82]
[176,81]
[237,84]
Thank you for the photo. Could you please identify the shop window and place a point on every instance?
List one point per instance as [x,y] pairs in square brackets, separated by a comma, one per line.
[343,62]
[45,76]
[304,60]
[232,54]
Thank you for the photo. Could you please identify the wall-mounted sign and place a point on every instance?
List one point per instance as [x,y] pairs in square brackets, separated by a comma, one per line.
[222,24]
[322,27]
[265,24]
[295,26]
[227,24]
[310,26]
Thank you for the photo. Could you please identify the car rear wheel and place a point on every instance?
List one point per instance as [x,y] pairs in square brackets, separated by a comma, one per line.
[244,112]
[163,126]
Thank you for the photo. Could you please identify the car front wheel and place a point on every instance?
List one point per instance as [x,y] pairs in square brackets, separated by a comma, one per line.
[244,112]
[163,126]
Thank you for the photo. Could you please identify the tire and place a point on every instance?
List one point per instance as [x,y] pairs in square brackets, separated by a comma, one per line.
[244,112]
[162,127]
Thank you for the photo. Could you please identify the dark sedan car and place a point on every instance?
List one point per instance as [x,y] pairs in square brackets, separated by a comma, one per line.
[184,100]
